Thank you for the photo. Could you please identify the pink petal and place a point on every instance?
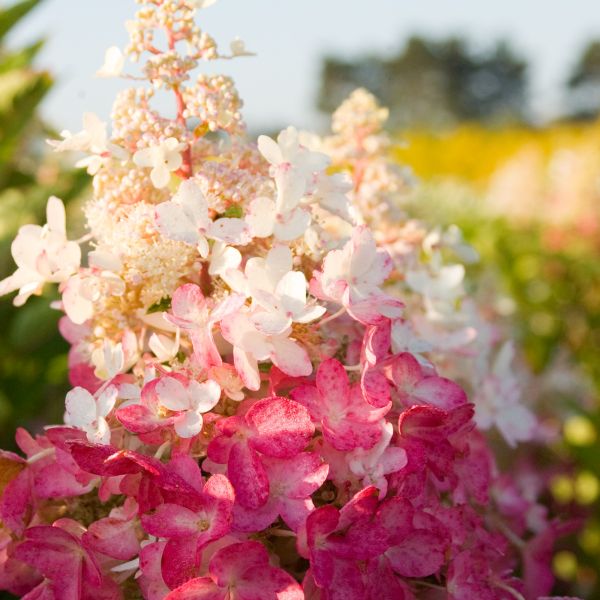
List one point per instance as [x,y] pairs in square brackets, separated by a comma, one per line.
[53,481]
[252,520]
[230,564]
[151,582]
[348,435]
[205,349]
[420,554]
[202,588]
[172,521]
[113,537]
[440,392]
[188,305]
[180,560]
[332,382]
[375,387]
[406,371]
[309,396]
[248,476]
[283,427]
[137,418]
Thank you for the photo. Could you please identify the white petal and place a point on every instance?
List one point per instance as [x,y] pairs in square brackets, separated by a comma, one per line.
[101,434]
[204,396]
[292,291]
[247,368]
[114,61]
[106,401]
[293,225]
[144,157]
[160,176]
[188,425]
[270,150]
[192,200]
[364,251]
[172,394]
[278,262]
[271,322]
[232,231]
[80,406]
[310,313]
[104,260]
[163,347]
[222,258]
[261,216]
[78,308]
[55,215]
[175,224]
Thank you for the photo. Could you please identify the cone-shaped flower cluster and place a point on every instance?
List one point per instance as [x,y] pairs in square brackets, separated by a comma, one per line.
[262,352]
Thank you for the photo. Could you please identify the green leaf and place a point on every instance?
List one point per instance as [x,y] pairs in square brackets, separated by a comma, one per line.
[20,59]
[161,306]
[234,211]
[10,16]
[17,112]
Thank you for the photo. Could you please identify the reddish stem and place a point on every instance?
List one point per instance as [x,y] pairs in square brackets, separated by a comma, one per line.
[186,168]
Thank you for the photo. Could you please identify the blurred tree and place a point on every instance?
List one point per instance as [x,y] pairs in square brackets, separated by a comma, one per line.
[584,84]
[434,83]
[32,369]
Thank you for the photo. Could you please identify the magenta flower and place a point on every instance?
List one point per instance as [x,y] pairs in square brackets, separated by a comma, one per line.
[413,386]
[188,530]
[71,571]
[335,540]
[432,438]
[146,479]
[275,427]
[346,420]
[241,571]
[116,535]
[291,483]
[48,472]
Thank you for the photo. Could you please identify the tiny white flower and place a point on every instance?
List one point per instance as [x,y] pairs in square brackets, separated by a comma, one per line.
[88,413]
[200,4]
[92,138]
[164,347]
[372,465]
[112,358]
[162,159]
[279,294]
[114,61]
[224,263]
[185,218]
[498,401]
[293,167]
[42,254]
[191,401]
[238,48]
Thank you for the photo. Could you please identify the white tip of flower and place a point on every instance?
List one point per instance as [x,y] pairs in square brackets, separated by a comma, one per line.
[114,61]
[200,4]
[238,48]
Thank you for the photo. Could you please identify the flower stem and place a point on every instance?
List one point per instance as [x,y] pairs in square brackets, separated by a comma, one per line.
[335,315]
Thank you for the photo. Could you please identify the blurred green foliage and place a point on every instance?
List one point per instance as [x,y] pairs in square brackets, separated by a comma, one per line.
[33,362]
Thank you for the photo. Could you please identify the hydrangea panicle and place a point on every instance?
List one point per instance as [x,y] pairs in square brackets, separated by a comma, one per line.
[277,377]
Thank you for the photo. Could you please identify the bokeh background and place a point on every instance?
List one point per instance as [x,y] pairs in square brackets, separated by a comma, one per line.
[493,106]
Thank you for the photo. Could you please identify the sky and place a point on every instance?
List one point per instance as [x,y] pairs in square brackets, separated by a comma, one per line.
[279,85]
